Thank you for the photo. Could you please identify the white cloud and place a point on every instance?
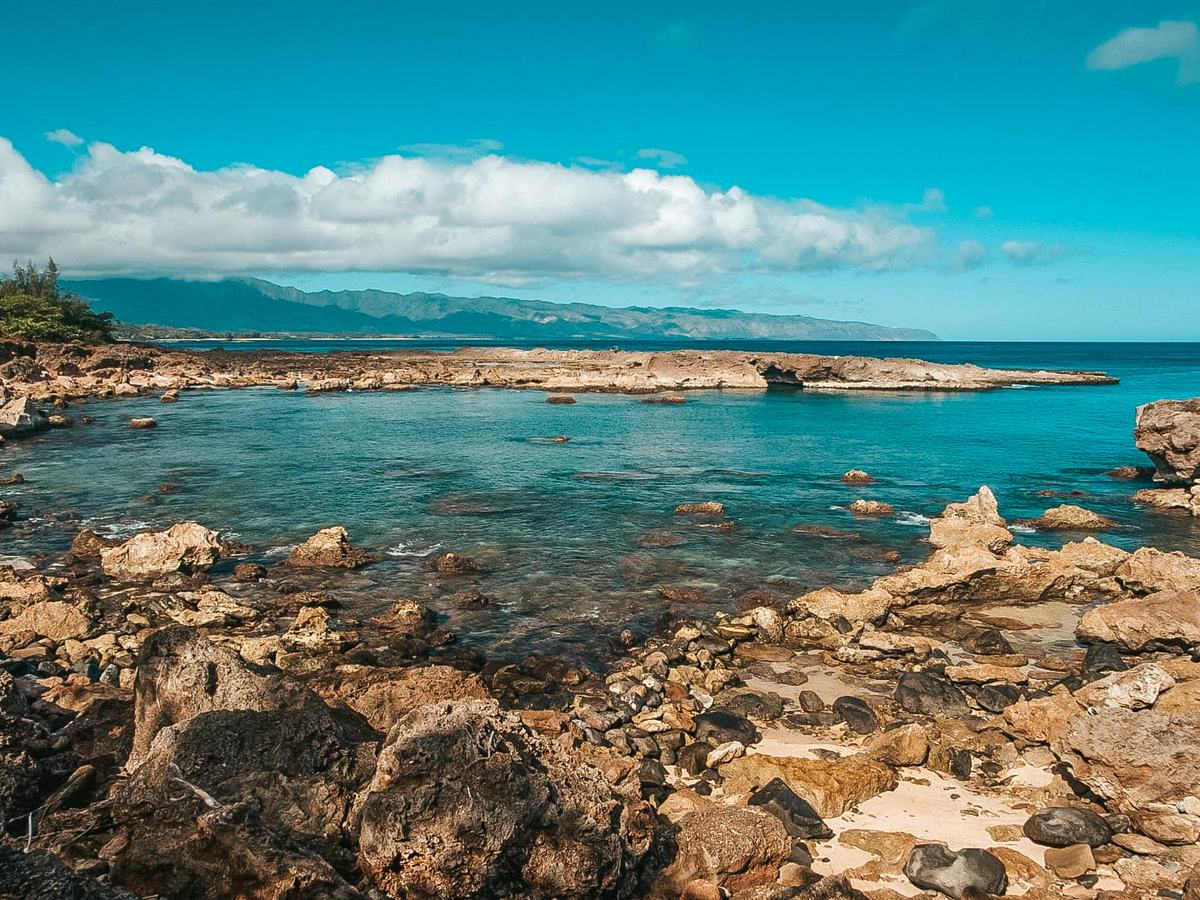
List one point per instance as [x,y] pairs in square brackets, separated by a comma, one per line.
[934,200]
[491,217]
[663,159]
[984,212]
[1175,40]
[970,255]
[1032,253]
[472,149]
[64,136]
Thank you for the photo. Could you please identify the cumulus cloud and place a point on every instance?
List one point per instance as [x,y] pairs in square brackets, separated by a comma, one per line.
[664,159]
[970,255]
[1173,40]
[1032,253]
[65,137]
[143,212]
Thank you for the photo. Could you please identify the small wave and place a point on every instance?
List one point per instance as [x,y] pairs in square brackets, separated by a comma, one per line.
[280,551]
[1018,387]
[916,520]
[122,529]
[1022,529]
[403,549]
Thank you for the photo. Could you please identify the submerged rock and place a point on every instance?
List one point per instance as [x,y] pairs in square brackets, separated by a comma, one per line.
[870,508]
[704,508]
[857,476]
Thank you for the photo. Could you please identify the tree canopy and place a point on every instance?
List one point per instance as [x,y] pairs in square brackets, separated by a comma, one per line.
[33,307]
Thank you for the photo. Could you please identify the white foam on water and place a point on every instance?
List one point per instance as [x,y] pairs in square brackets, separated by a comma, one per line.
[402,549]
[280,551]
[1022,529]
[122,529]
[916,520]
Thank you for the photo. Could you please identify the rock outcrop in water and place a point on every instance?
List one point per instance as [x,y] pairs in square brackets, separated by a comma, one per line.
[1168,431]
[72,372]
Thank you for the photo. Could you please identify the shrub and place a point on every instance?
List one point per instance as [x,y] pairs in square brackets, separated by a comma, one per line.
[33,307]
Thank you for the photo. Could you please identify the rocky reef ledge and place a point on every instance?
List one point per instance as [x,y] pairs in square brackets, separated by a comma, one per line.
[48,371]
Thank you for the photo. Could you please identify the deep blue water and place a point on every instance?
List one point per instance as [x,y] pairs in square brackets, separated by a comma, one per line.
[557,525]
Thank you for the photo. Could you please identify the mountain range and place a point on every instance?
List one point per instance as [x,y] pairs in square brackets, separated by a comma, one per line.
[255,305]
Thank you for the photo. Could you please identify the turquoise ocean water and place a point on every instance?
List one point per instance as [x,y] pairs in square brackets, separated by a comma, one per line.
[414,474]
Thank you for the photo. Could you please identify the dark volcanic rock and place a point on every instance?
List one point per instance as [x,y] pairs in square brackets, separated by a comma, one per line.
[467,802]
[1062,826]
[718,726]
[797,814]
[40,876]
[930,695]
[856,713]
[964,874]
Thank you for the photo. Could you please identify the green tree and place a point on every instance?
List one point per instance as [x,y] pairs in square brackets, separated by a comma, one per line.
[33,307]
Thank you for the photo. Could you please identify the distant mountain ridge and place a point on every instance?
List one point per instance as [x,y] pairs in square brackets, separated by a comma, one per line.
[252,304]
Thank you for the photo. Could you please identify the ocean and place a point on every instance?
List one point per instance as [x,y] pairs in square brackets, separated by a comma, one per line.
[558,526]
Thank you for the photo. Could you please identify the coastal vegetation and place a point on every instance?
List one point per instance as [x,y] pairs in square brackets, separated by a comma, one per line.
[34,307]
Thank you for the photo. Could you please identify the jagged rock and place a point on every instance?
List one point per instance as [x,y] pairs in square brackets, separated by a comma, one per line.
[1148,570]
[857,476]
[1164,618]
[185,547]
[20,589]
[328,548]
[727,846]
[831,786]
[930,695]
[1071,518]
[975,522]
[456,564]
[1183,499]
[870,508]
[88,545]
[467,802]
[829,604]
[19,416]
[1062,826]
[181,674]
[797,815]
[1169,433]
[906,745]
[383,696]
[54,619]
[962,874]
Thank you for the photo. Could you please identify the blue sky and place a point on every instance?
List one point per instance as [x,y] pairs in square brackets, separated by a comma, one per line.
[988,170]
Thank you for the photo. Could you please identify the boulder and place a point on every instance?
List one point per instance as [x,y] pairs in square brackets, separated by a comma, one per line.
[1170,500]
[831,786]
[328,548]
[729,847]
[383,696]
[54,619]
[975,522]
[962,874]
[857,476]
[181,674]
[906,745]
[1164,618]
[870,508]
[928,694]
[466,802]
[185,547]
[1148,570]
[1062,826]
[703,508]
[800,820]
[1168,431]
[19,416]
[143,422]
[1071,518]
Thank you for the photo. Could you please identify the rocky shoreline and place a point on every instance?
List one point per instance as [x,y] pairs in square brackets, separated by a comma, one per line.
[999,719]
[57,372]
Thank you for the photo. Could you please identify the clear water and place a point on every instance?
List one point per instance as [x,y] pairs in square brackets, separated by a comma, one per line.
[418,473]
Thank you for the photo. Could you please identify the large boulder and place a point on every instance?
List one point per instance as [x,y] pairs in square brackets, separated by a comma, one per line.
[1068,517]
[830,786]
[965,874]
[730,847]
[468,802]
[1148,570]
[186,547]
[328,548]
[383,696]
[974,522]
[1161,619]
[1169,433]
[19,416]
[54,619]
[181,674]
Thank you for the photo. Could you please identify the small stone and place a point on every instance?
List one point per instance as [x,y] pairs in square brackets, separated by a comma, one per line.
[1070,862]
[724,752]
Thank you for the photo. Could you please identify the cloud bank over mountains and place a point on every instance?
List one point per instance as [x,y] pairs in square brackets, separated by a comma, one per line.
[489,217]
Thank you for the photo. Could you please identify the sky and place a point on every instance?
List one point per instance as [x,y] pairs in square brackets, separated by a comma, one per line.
[988,170]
